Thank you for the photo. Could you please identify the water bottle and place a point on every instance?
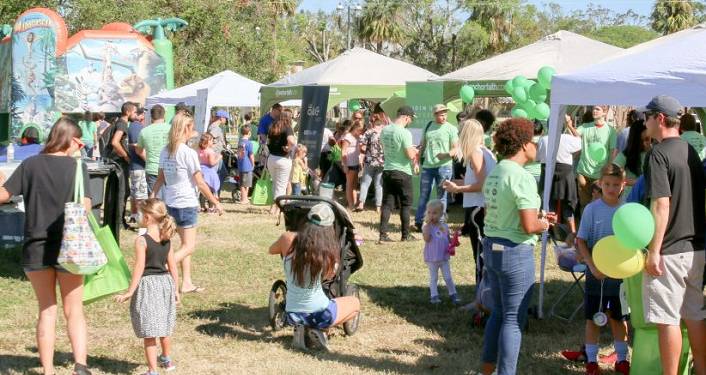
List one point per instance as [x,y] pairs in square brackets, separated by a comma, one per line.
[10,152]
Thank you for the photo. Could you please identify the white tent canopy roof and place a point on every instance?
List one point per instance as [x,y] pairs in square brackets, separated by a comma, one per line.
[563,50]
[225,89]
[358,66]
[672,65]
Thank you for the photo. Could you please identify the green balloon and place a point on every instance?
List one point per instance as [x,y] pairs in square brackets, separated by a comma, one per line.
[519,95]
[541,111]
[509,87]
[538,93]
[354,106]
[518,112]
[634,225]
[597,152]
[467,93]
[519,81]
[544,76]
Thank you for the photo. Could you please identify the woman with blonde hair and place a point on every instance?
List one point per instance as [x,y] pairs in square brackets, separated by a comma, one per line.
[180,173]
[45,192]
[479,161]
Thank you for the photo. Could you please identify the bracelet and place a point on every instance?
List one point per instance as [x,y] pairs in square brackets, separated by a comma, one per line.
[545,224]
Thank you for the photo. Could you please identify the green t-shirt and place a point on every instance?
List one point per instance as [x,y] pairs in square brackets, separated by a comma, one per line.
[590,133]
[508,189]
[438,139]
[620,161]
[697,141]
[395,141]
[88,132]
[488,141]
[153,139]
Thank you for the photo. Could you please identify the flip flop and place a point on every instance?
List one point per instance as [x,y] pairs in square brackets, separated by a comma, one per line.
[195,289]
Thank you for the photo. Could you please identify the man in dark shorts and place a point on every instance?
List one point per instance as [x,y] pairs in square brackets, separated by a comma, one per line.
[673,276]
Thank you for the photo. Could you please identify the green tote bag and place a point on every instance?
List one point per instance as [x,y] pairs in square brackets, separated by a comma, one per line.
[263,195]
[115,276]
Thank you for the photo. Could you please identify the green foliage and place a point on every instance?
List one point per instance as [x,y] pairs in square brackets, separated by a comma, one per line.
[381,22]
[669,16]
[624,36]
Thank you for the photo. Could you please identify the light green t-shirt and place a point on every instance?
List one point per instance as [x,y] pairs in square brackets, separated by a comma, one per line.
[620,161]
[508,189]
[153,139]
[590,133]
[697,141]
[395,141]
[88,132]
[438,139]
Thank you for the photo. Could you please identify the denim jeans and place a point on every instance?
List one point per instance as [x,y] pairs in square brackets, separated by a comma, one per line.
[371,174]
[396,185]
[296,188]
[510,270]
[428,179]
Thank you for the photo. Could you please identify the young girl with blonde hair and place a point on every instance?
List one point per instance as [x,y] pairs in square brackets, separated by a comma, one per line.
[436,250]
[153,295]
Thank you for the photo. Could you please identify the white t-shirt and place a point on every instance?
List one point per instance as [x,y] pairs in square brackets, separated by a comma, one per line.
[476,199]
[353,151]
[328,134]
[179,184]
[568,145]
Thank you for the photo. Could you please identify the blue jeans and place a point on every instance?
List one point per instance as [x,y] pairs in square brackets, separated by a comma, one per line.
[296,188]
[371,174]
[429,178]
[511,277]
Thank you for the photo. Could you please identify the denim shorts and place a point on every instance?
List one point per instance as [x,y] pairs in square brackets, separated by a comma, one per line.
[184,217]
[318,320]
[41,267]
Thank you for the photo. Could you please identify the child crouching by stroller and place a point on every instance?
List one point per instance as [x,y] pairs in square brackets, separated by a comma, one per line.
[310,257]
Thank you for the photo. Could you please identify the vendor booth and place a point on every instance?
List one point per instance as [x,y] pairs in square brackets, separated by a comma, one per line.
[666,66]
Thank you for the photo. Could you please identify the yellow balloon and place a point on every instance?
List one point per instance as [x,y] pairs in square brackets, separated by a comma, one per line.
[615,260]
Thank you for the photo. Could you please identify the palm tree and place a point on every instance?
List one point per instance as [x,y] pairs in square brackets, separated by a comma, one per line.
[277,9]
[380,23]
[162,45]
[496,18]
[669,16]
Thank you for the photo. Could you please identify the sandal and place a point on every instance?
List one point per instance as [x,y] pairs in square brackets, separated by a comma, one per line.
[195,289]
[80,369]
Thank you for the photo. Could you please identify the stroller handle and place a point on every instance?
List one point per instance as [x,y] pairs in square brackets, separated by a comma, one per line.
[281,200]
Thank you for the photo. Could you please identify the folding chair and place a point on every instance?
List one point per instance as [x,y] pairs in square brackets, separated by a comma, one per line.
[567,264]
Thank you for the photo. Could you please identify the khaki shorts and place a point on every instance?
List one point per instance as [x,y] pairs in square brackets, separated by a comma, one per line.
[677,294]
[138,184]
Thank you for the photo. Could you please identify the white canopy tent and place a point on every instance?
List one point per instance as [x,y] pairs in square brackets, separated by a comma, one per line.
[673,65]
[563,50]
[225,89]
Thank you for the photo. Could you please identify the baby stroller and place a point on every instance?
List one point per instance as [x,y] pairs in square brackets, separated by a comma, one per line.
[231,183]
[295,210]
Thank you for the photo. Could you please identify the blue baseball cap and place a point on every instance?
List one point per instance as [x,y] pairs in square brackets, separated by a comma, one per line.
[222,113]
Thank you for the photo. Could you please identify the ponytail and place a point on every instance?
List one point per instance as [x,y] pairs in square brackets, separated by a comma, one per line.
[167,228]
[156,209]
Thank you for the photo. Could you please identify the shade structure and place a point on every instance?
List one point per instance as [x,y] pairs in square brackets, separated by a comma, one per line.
[356,74]
[672,65]
[225,89]
[564,51]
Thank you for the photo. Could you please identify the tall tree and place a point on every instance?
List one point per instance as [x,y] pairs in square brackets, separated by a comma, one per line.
[380,23]
[669,16]
[496,18]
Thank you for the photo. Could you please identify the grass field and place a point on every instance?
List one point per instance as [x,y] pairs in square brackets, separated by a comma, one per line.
[225,330]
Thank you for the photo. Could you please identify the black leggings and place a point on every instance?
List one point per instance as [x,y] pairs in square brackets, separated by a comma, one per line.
[474,223]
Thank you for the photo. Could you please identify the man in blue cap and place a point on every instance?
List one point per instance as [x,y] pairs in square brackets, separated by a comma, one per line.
[673,276]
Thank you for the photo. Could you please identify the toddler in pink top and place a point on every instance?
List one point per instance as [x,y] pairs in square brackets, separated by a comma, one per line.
[436,250]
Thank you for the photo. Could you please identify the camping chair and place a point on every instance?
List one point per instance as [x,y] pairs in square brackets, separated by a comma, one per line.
[566,259]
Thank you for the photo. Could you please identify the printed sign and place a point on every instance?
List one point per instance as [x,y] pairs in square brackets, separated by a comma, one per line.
[313,120]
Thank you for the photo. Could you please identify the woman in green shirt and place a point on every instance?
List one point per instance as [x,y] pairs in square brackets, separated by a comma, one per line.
[632,158]
[512,223]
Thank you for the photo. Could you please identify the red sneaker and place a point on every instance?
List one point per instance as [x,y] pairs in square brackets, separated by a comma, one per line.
[622,367]
[575,356]
[592,368]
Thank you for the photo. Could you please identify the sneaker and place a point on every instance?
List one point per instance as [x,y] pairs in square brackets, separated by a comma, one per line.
[385,238]
[408,237]
[298,341]
[166,363]
[435,300]
[455,300]
[592,368]
[317,339]
[622,367]
[80,369]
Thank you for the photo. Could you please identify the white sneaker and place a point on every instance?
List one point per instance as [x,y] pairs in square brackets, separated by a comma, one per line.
[298,340]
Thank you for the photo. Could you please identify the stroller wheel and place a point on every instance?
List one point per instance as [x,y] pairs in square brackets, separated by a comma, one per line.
[350,327]
[277,303]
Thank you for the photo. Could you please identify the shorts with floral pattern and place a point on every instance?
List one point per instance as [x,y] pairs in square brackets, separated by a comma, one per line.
[138,184]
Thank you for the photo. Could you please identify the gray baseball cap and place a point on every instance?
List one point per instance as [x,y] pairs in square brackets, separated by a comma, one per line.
[322,215]
[668,105]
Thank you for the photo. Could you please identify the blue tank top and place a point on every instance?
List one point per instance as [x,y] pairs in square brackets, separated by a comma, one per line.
[304,300]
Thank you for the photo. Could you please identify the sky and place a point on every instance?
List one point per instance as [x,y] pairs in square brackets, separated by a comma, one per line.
[641,7]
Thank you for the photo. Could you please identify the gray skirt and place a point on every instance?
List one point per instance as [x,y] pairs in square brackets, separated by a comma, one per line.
[153,306]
